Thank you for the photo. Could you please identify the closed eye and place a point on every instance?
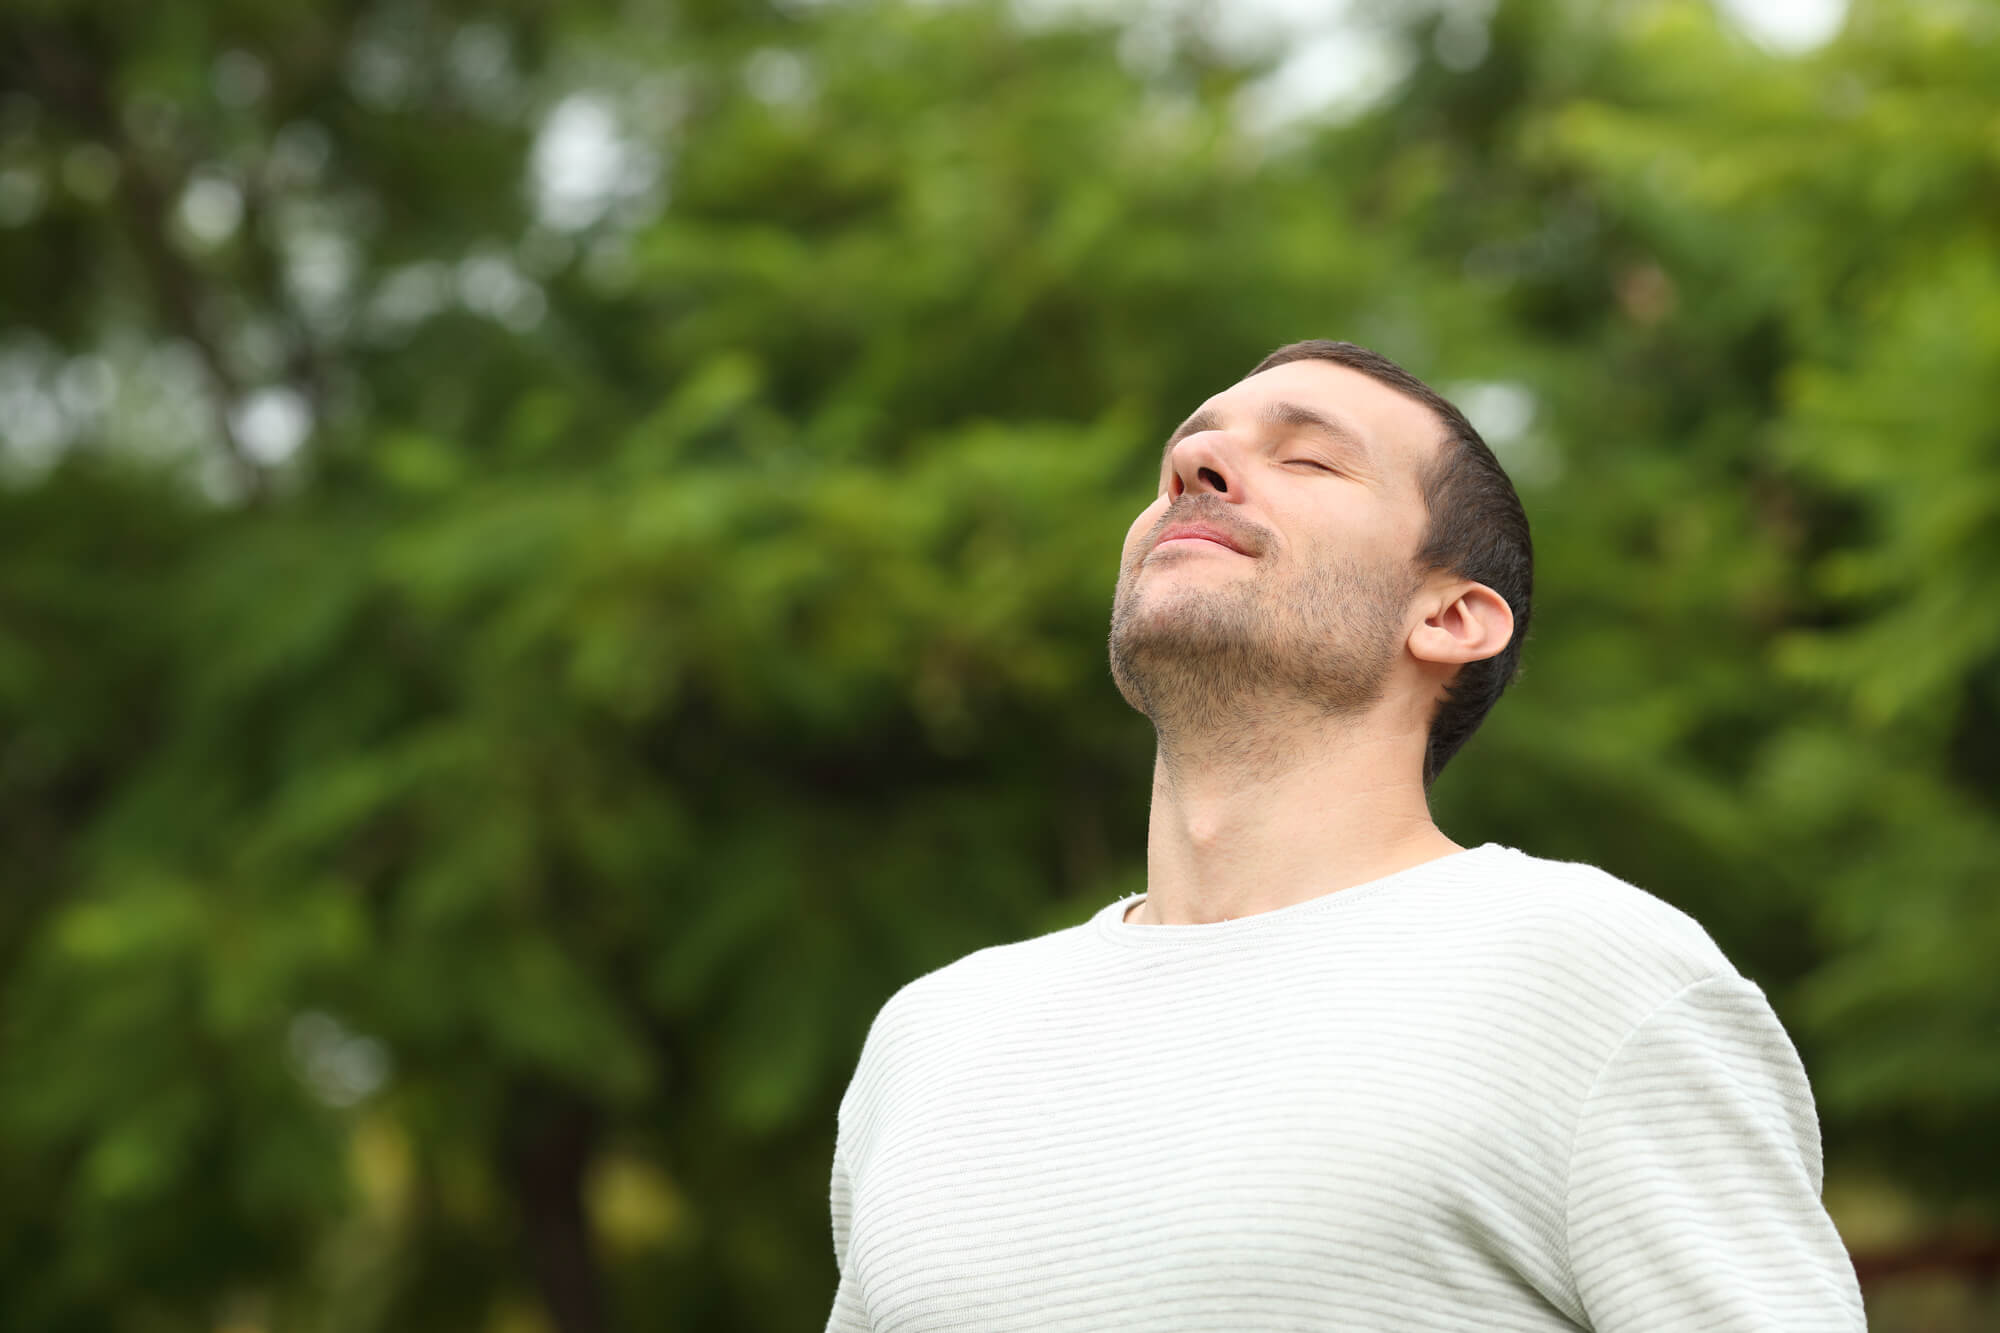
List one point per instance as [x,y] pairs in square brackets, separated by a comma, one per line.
[1310,462]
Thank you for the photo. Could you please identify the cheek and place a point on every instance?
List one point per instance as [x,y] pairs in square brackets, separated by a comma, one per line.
[1143,524]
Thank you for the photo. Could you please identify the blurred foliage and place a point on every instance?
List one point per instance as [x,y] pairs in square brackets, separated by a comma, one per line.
[550,559]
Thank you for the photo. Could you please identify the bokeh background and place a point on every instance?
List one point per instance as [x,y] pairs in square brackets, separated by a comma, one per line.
[551,557]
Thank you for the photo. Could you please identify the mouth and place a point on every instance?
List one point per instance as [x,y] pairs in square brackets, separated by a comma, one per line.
[1197,534]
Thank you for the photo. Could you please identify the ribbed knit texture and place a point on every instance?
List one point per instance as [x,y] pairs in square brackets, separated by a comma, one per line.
[1488,1092]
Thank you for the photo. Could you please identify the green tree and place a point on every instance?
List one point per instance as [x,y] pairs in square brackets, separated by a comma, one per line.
[555,559]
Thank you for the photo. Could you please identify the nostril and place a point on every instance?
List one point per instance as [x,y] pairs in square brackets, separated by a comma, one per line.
[1214,479]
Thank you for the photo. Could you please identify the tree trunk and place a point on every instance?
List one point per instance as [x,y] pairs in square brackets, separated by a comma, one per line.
[550,1138]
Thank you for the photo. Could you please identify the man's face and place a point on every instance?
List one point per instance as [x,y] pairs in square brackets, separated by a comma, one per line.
[1310,472]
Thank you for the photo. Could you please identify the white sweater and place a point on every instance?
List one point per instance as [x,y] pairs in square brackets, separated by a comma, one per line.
[1487,1092]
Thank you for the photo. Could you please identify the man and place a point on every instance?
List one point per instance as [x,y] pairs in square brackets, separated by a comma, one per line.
[1332,1070]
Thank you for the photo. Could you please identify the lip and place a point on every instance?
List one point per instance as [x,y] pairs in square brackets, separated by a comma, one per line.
[1198,532]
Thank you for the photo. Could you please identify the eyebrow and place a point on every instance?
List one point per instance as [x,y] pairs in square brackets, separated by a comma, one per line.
[1295,416]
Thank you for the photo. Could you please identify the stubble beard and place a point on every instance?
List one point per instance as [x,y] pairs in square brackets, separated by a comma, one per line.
[1211,661]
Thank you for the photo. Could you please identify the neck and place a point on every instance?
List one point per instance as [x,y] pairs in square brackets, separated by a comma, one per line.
[1272,811]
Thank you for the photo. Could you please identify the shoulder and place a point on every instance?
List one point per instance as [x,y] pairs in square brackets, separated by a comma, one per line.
[1599,904]
[974,982]
[968,994]
[1628,947]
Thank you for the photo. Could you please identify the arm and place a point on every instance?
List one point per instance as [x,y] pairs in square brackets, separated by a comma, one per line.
[1694,1184]
[847,1315]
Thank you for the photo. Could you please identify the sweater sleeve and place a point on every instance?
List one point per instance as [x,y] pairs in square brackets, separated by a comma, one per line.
[1694,1179]
[847,1315]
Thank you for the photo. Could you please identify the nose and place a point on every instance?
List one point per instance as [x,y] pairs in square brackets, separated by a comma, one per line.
[1200,464]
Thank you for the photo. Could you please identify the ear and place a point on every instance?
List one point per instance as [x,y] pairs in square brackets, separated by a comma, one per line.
[1468,622]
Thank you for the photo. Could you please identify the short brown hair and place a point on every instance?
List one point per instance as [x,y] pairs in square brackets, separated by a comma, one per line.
[1478,530]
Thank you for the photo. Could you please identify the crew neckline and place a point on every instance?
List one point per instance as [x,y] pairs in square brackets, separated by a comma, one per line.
[1111,924]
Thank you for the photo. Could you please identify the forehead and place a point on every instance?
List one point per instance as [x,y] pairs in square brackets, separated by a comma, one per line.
[1402,435]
